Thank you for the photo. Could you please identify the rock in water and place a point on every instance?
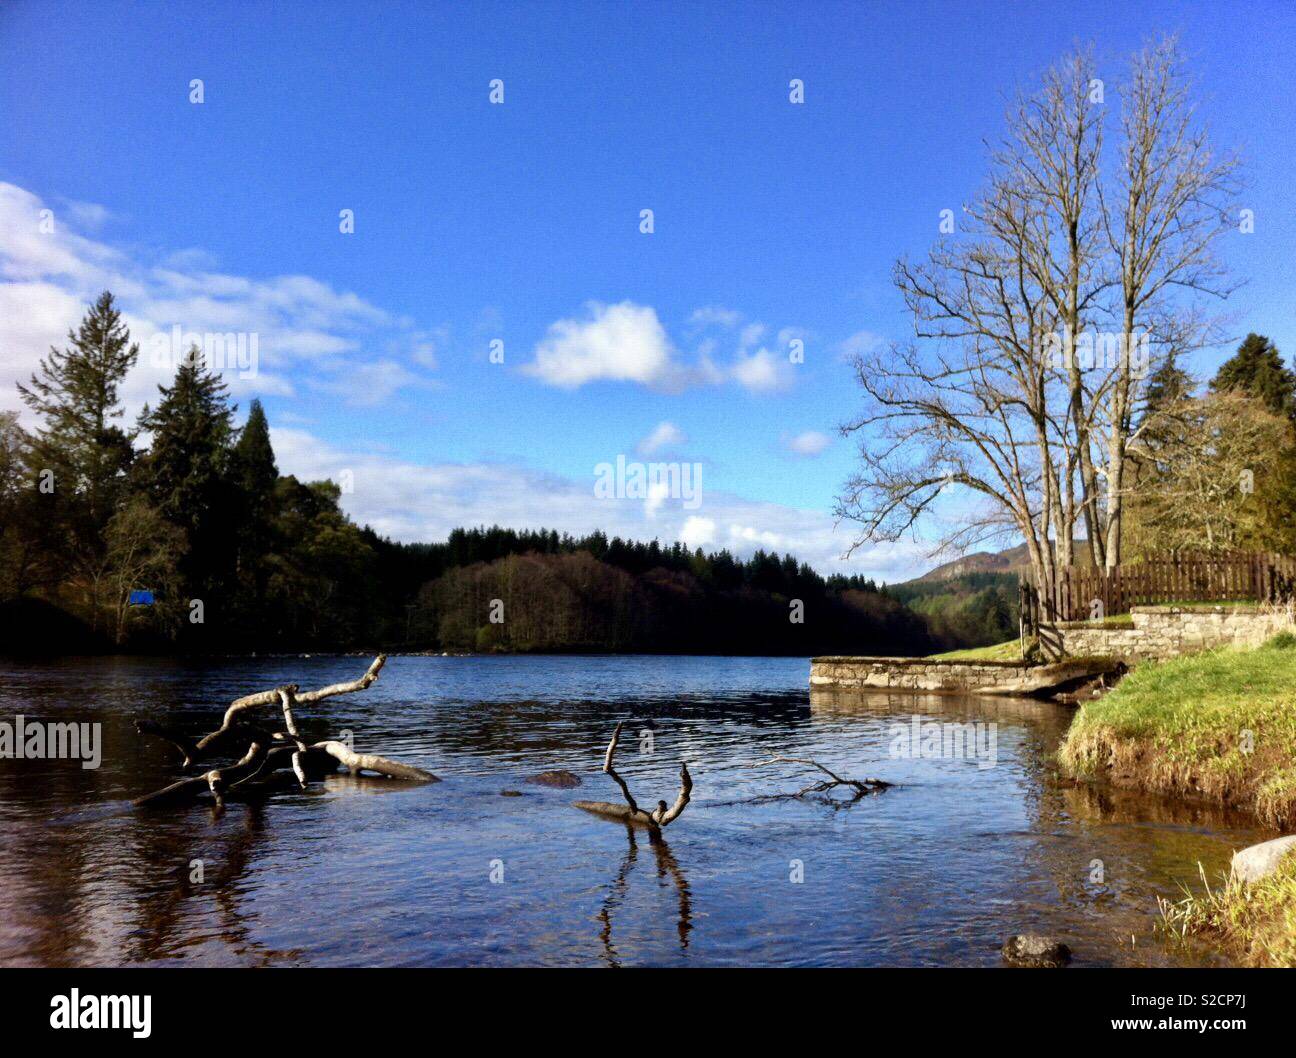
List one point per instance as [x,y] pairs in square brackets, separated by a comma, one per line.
[1260,861]
[561,779]
[1031,950]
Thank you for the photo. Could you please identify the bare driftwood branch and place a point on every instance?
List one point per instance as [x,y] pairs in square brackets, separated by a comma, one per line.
[862,787]
[265,752]
[630,812]
[358,762]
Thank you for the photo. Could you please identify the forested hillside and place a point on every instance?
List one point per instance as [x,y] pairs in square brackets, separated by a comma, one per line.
[974,609]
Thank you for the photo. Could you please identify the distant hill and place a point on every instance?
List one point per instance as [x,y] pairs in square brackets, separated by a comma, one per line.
[1014,560]
[1009,561]
[973,599]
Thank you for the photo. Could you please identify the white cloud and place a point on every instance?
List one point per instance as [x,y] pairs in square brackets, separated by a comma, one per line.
[715,316]
[414,502]
[658,493]
[621,343]
[305,329]
[762,372]
[628,343]
[808,444]
[697,532]
[665,435]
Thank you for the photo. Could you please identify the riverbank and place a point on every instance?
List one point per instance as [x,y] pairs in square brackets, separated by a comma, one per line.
[1255,924]
[1219,725]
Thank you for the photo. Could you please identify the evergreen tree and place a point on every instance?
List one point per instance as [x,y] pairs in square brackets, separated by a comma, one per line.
[75,393]
[253,476]
[253,466]
[1257,370]
[75,396]
[186,473]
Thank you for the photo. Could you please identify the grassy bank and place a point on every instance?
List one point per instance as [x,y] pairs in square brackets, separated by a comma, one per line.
[1009,651]
[1255,924]
[1219,725]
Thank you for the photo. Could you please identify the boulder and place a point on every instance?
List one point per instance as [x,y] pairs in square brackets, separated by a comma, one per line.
[1031,950]
[562,779]
[1260,861]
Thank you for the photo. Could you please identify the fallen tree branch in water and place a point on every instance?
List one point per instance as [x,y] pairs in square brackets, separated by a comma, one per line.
[266,752]
[630,812]
[862,787]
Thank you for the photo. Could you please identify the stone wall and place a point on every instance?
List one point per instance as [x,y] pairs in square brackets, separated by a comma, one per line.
[1158,632]
[1166,631]
[911,674]
[933,676]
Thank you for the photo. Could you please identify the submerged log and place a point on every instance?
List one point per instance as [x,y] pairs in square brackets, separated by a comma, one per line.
[266,752]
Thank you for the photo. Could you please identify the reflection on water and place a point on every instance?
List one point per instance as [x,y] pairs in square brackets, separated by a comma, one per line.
[668,870]
[935,871]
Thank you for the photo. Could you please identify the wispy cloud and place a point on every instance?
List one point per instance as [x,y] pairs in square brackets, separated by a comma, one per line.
[306,330]
[664,436]
[411,501]
[808,444]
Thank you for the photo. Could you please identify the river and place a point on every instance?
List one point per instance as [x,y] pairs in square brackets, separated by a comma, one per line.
[937,870]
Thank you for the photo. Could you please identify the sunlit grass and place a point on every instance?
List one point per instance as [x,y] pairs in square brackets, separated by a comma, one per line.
[1009,651]
[1220,724]
[1255,923]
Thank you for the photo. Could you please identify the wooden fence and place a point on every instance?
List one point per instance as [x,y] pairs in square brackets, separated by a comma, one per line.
[1257,576]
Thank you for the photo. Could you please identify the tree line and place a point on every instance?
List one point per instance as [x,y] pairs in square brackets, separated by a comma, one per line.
[179,533]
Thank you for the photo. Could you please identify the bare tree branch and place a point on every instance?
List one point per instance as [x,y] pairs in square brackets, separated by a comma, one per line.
[630,812]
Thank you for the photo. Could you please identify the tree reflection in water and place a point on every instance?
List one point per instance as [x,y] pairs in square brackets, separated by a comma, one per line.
[667,867]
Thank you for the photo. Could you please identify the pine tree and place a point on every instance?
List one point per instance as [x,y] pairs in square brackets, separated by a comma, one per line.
[75,395]
[253,476]
[1257,370]
[186,473]
[253,465]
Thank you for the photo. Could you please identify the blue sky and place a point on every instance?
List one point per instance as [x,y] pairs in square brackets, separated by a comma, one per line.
[520,222]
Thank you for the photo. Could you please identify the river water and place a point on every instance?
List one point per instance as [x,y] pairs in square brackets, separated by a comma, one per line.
[937,870]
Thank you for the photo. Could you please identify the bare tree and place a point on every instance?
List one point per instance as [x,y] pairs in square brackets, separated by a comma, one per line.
[1170,204]
[1012,389]
[1052,156]
[967,404]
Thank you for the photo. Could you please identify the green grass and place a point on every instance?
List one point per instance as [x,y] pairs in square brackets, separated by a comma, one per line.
[1255,923]
[1009,651]
[1208,602]
[1219,725]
